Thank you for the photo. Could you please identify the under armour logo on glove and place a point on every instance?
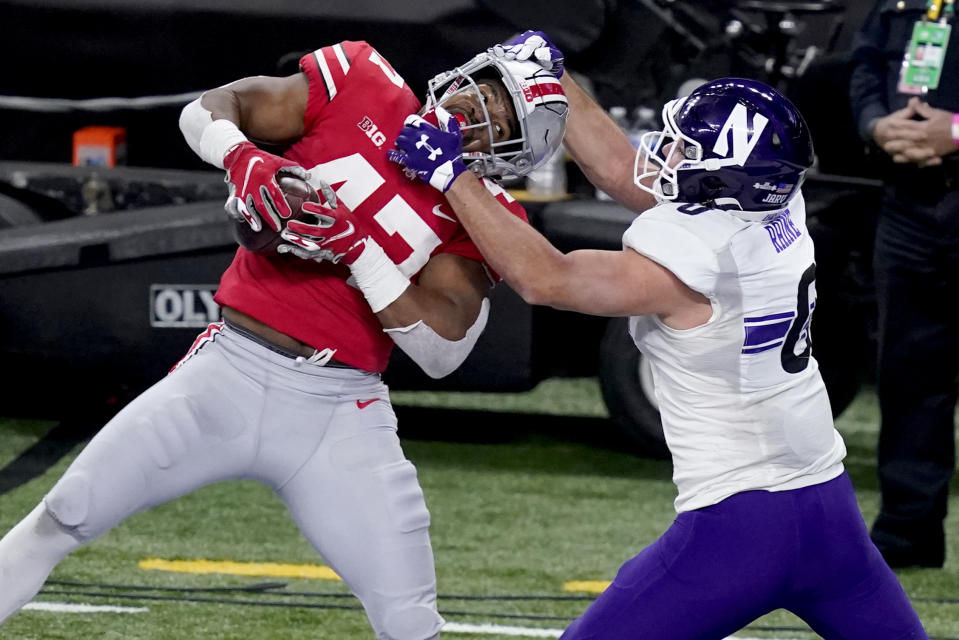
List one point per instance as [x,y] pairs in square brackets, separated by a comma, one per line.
[434,154]
[424,142]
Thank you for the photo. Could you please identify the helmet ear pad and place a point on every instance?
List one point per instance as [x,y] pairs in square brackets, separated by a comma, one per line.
[699,185]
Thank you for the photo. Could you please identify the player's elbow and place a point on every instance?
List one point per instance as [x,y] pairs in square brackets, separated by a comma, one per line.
[536,291]
[441,367]
[544,285]
[438,360]
[193,120]
[437,355]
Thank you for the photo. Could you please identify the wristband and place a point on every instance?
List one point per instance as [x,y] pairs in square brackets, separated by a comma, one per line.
[217,139]
[377,277]
[955,128]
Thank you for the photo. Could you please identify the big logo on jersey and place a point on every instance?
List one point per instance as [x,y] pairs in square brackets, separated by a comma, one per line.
[737,129]
[372,132]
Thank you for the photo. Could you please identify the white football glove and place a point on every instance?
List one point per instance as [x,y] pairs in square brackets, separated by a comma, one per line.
[534,46]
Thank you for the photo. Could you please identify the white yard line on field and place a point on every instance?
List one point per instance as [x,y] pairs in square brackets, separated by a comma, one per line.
[488,628]
[528,632]
[501,630]
[69,607]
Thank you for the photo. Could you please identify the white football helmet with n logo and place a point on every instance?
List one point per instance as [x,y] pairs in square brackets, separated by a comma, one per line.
[539,103]
[740,145]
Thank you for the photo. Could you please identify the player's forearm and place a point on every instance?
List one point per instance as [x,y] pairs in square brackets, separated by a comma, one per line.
[438,355]
[210,126]
[261,109]
[588,132]
[222,103]
[435,322]
[438,321]
[447,294]
[449,318]
[601,149]
[516,251]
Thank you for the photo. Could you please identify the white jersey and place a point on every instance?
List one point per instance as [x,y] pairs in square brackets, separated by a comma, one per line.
[742,401]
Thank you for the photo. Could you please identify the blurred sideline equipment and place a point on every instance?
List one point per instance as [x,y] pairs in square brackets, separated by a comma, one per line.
[99,146]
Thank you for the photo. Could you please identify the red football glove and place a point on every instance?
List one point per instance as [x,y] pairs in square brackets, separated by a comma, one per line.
[254,193]
[336,235]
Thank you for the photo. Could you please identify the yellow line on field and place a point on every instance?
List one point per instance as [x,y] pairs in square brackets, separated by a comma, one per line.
[587,586]
[271,569]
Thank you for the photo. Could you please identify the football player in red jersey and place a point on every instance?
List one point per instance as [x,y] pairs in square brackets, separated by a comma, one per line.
[287,389]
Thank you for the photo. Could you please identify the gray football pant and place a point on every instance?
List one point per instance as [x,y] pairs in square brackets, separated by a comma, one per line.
[235,409]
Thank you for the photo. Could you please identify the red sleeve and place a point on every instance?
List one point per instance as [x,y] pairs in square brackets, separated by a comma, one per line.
[326,70]
[462,245]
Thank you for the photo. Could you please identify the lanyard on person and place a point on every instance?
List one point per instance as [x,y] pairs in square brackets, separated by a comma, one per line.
[923,59]
[934,9]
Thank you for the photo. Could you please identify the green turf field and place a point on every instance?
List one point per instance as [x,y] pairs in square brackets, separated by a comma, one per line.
[524,501]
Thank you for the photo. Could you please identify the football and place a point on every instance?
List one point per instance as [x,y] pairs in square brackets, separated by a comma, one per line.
[266,240]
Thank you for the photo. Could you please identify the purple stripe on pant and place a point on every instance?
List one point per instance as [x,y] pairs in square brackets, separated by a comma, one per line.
[717,569]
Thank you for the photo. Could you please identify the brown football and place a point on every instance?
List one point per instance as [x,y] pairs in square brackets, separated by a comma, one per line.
[266,239]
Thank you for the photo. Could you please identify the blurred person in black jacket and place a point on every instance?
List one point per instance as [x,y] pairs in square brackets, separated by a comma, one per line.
[907,113]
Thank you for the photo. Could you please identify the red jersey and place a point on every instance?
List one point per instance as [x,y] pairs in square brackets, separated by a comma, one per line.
[356,108]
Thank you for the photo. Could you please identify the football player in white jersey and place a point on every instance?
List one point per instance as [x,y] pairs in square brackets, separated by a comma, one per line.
[719,283]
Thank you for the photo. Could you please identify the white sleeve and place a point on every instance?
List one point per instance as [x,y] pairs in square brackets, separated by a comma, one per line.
[194,118]
[208,138]
[437,356]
